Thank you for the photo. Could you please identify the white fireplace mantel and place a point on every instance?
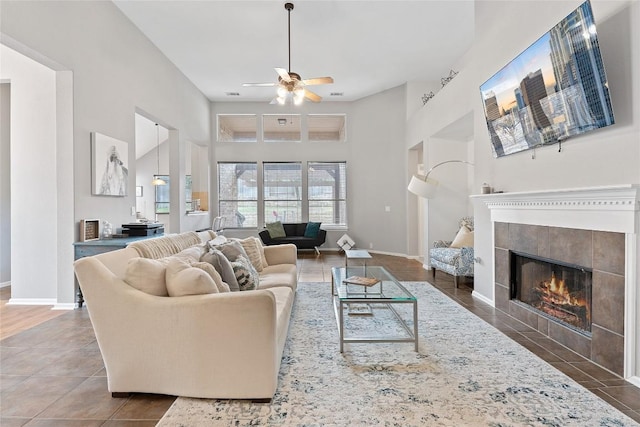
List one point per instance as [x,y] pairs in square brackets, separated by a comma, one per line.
[612,208]
[607,208]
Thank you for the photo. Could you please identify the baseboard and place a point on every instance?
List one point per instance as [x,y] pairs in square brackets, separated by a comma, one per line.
[5,284]
[64,306]
[31,301]
[634,380]
[482,298]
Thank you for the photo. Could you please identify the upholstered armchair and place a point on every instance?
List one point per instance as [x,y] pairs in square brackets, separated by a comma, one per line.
[455,257]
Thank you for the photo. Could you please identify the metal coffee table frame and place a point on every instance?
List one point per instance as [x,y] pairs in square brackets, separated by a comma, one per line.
[343,296]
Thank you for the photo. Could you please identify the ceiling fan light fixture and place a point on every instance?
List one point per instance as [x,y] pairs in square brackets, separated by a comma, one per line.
[290,85]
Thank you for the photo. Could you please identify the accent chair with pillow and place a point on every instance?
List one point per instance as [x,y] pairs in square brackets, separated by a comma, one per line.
[455,256]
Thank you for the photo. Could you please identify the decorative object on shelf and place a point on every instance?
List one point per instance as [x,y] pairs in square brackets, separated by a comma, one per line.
[445,80]
[291,87]
[109,165]
[89,229]
[426,97]
[107,230]
[486,188]
[425,187]
[156,179]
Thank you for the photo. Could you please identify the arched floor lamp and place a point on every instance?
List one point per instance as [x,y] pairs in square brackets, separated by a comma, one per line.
[425,187]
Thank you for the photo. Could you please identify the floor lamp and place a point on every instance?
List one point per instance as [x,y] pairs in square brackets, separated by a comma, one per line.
[426,187]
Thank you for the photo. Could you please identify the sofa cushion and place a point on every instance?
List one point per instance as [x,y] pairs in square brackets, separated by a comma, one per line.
[191,254]
[312,229]
[147,275]
[211,271]
[246,275]
[223,267]
[275,229]
[263,257]
[183,279]
[300,229]
[464,238]
[280,275]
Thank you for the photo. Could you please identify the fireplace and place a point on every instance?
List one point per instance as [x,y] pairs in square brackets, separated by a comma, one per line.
[554,289]
[598,228]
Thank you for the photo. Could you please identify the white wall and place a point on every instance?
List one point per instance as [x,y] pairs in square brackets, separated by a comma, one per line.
[116,71]
[5,185]
[33,173]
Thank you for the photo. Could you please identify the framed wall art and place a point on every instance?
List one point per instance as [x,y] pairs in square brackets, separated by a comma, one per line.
[109,165]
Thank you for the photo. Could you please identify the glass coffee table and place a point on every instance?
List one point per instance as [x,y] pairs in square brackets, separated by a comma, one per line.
[387,291]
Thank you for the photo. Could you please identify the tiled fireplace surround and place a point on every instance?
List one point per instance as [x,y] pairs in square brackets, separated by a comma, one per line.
[602,251]
[594,227]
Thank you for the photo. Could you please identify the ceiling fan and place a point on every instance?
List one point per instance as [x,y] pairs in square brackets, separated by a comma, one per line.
[290,84]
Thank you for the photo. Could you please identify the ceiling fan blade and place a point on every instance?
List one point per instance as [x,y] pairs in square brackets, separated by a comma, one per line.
[284,74]
[312,96]
[258,84]
[318,81]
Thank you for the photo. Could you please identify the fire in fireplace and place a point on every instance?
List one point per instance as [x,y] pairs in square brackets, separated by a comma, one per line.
[555,289]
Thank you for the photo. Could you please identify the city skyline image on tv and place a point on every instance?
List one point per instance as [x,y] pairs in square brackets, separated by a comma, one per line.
[557,88]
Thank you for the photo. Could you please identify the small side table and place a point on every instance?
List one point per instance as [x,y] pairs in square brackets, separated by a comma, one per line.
[357,254]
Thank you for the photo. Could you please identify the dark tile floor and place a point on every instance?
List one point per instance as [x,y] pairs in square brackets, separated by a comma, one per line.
[52,374]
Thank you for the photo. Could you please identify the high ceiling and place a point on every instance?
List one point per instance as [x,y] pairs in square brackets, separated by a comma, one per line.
[366,46]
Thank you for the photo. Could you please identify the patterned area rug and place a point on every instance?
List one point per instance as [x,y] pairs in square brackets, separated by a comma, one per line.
[466,373]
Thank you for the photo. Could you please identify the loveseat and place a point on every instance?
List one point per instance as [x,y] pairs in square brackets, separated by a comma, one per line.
[225,345]
[295,234]
[455,257]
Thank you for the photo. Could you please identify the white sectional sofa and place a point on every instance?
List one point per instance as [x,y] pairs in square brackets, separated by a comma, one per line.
[219,345]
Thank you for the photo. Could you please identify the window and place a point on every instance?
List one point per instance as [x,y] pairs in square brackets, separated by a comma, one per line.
[281,127]
[163,194]
[282,185]
[237,128]
[238,194]
[327,184]
[327,127]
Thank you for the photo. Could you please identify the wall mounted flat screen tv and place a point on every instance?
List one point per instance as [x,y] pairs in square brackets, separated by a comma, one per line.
[554,90]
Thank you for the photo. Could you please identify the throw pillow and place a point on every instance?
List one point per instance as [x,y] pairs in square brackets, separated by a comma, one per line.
[232,249]
[265,264]
[192,253]
[246,275]
[147,275]
[250,246]
[464,238]
[217,241]
[275,229]
[312,229]
[223,267]
[211,271]
[183,279]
